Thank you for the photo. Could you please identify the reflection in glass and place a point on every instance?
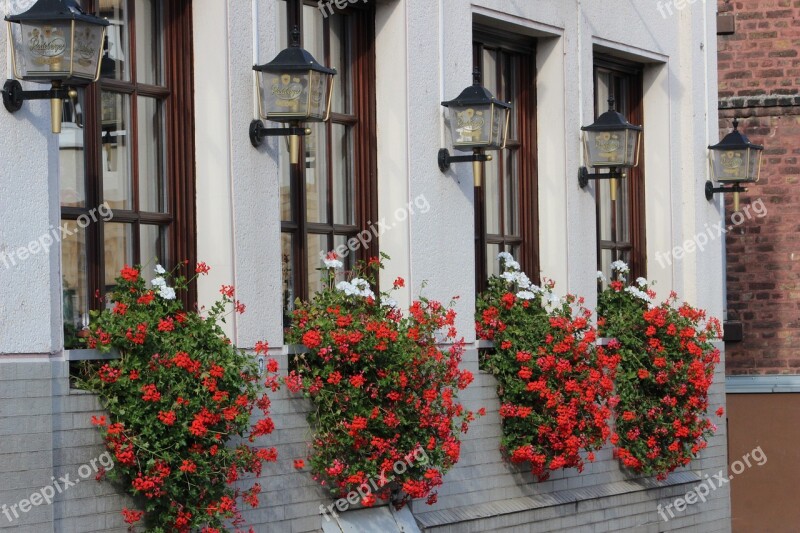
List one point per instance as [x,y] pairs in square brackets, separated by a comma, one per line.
[148,42]
[492,263]
[151,160]
[118,245]
[511,194]
[71,161]
[117,179]
[287,273]
[342,163]
[491,187]
[316,174]
[317,247]
[114,62]
[340,60]
[152,245]
[75,289]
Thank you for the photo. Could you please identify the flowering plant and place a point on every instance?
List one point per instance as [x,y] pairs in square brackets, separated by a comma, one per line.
[555,386]
[177,395]
[666,370]
[381,388]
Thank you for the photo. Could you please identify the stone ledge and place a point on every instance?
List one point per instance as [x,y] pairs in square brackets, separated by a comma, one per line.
[456,515]
[764,100]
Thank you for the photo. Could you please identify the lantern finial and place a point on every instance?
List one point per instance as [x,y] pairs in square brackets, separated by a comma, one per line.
[612,103]
[735,124]
[476,76]
[295,37]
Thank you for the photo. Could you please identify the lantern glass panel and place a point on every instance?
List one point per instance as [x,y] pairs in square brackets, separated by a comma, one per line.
[616,148]
[471,126]
[42,50]
[736,165]
[499,123]
[88,48]
[284,95]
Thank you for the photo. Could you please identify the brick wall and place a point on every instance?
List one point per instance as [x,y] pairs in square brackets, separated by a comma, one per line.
[759,82]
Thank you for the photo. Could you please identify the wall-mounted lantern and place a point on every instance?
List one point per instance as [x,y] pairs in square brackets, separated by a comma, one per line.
[612,143]
[54,42]
[293,88]
[478,122]
[734,160]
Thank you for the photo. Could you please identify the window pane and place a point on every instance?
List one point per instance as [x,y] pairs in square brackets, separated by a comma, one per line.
[116,55]
[317,247]
[511,193]
[492,263]
[342,162]
[70,154]
[314,32]
[75,288]
[316,174]
[153,245]
[604,209]
[623,210]
[287,271]
[606,258]
[118,239]
[148,42]
[117,179]
[348,258]
[150,136]
[491,187]
[340,60]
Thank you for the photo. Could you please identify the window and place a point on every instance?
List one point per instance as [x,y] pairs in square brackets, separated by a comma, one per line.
[126,155]
[621,222]
[506,213]
[330,196]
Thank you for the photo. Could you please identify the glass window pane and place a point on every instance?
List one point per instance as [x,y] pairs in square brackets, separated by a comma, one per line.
[148,42]
[114,63]
[340,60]
[603,188]
[317,247]
[349,256]
[606,258]
[511,194]
[71,161]
[75,284]
[117,179]
[287,271]
[491,187]
[492,263]
[153,245]
[623,210]
[118,245]
[314,32]
[316,174]
[150,137]
[342,163]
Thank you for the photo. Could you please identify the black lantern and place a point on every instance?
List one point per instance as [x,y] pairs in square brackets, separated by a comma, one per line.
[734,160]
[478,122]
[54,42]
[292,88]
[612,143]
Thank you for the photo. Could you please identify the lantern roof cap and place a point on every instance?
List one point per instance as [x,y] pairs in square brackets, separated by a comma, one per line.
[476,94]
[56,10]
[735,140]
[294,59]
[611,120]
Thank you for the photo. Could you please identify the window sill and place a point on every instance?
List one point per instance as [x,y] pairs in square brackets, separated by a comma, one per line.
[90,355]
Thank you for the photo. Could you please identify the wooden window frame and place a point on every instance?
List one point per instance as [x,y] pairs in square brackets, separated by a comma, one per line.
[525,147]
[364,132]
[177,95]
[635,181]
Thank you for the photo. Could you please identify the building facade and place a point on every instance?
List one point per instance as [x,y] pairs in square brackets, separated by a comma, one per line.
[759,84]
[155,161]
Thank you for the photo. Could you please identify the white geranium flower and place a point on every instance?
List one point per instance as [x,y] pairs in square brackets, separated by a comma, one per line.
[168,293]
[638,293]
[356,287]
[159,282]
[332,261]
[389,302]
[641,282]
[159,269]
[620,266]
[601,276]
[519,278]
[508,261]
[526,295]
